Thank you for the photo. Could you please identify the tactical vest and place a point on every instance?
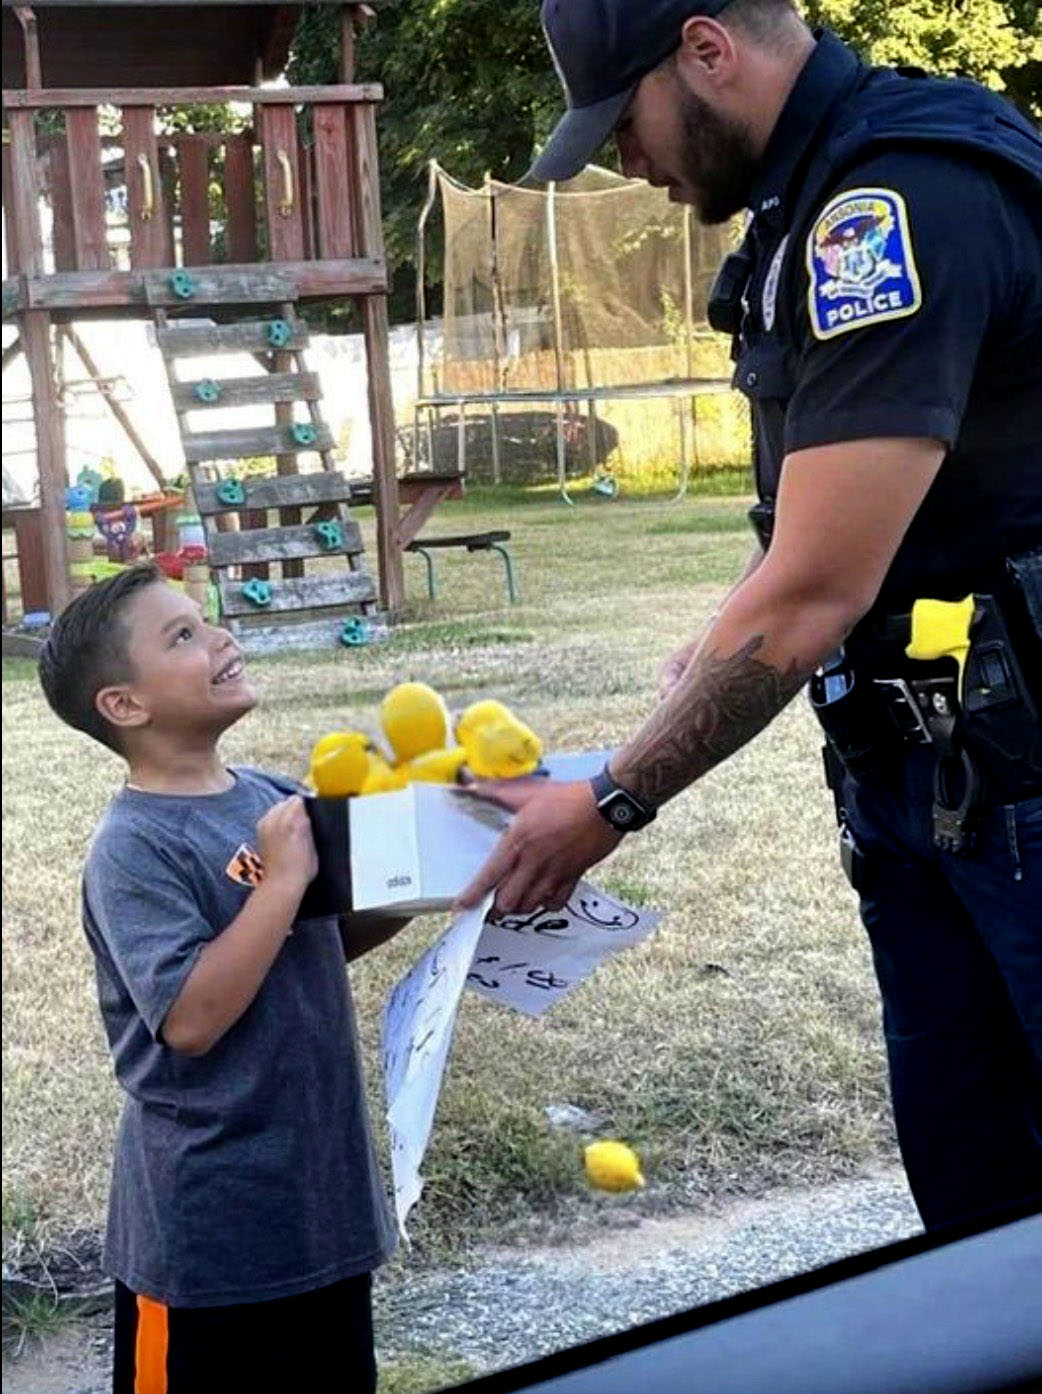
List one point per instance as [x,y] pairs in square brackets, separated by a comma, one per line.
[881,110]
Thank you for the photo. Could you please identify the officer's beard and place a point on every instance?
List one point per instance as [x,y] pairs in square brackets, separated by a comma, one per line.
[717,160]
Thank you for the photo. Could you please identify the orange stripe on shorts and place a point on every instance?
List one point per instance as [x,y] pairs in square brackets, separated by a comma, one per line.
[153,1337]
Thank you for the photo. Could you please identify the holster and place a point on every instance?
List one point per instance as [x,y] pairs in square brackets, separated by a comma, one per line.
[857,728]
[1001,717]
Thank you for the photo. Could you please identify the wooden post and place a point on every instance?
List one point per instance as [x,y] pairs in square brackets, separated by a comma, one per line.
[282,362]
[50,464]
[31,43]
[369,241]
[25,191]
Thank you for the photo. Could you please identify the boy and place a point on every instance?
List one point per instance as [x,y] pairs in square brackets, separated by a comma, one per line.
[247,1212]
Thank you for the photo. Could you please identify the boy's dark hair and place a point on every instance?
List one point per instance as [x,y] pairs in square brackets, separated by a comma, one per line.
[86,650]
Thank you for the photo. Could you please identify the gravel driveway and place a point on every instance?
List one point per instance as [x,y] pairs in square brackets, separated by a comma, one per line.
[516,1304]
[511,1305]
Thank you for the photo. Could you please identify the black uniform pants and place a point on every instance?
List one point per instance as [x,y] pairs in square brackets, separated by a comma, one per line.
[321,1341]
[957,944]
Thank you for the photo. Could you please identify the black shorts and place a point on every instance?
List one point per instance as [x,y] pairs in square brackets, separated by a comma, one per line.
[321,1340]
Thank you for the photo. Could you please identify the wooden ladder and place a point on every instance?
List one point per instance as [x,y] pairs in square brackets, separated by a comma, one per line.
[295,610]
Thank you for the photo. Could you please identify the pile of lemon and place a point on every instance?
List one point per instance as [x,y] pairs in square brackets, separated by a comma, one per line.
[424,745]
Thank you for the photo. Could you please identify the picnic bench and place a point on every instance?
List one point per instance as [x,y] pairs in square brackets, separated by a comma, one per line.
[473,542]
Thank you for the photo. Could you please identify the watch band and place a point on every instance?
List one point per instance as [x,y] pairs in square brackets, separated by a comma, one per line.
[619,808]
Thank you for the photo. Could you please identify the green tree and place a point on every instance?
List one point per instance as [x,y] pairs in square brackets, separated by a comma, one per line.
[470,82]
[997,42]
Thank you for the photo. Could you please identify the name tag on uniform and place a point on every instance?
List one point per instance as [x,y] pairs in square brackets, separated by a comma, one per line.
[860,261]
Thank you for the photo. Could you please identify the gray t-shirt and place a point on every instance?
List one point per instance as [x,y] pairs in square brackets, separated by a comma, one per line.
[248,1173]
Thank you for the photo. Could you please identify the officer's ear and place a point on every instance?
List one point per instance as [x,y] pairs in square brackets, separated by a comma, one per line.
[707,53]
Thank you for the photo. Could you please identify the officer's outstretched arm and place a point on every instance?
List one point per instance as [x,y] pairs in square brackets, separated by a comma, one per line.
[677,663]
[842,512]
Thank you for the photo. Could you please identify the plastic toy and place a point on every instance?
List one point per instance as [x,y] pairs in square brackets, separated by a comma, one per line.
[111,493]
[612,1166]
[78,499]
[91,480]
[81,525]
[190,533]
[118,527]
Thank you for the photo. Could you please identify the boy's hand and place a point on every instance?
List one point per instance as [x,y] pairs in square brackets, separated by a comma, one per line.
[286,845]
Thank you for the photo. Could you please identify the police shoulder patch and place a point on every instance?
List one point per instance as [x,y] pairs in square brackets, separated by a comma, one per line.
[860,262]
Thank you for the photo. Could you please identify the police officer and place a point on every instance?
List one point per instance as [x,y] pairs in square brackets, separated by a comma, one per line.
[886,310]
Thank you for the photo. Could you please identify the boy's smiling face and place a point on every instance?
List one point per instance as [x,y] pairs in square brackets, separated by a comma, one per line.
[189,676]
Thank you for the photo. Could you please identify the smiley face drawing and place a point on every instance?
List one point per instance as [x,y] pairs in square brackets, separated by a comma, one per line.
[601,913]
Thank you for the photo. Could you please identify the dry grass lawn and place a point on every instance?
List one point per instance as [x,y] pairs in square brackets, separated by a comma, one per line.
[739,1048]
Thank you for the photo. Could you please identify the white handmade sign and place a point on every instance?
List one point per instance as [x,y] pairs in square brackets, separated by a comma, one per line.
[527,962]
[416,1031]
[530,961]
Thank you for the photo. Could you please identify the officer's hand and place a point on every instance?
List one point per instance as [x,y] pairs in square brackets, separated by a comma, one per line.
[286,845]
[556,835]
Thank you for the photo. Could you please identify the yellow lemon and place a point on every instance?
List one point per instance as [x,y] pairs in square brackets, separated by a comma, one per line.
[414,720]
[334,740]
[612,1166]
[436,766]
[342,771]
[502,749]
[381,778]
[477,716]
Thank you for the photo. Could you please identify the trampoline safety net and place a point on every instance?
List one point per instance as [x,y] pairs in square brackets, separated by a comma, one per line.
[599,284]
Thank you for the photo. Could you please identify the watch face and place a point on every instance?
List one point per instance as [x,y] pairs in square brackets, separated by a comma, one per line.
[621,812]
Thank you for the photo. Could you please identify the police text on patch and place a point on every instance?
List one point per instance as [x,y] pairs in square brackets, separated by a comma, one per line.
[860,263]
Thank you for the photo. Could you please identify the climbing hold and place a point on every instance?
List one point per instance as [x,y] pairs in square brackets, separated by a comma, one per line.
[353,632]
[330,535]
[304,433]
[279,333]
[231,492]
[257,592]
[182,284]
[207,391]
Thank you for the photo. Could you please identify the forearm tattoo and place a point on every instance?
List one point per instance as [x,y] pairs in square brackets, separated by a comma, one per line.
[718,705]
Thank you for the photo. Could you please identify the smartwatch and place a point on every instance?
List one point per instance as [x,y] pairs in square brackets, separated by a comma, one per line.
[618,808]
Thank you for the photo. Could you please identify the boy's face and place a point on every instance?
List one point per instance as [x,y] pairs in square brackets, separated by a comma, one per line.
[189,676]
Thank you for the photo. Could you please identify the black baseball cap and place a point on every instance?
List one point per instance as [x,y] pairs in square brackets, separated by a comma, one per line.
[601,50]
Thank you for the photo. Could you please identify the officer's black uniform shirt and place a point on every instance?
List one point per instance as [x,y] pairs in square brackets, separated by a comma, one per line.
[963,367]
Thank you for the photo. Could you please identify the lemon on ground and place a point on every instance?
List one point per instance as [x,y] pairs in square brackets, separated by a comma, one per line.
[612,1166]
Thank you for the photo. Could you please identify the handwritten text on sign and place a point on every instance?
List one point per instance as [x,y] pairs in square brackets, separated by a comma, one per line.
[530,961]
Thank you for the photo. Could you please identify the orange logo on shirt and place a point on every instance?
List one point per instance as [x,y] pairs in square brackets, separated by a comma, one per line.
[246,867]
